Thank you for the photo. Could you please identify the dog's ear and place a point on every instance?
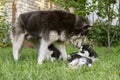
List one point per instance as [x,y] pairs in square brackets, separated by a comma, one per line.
[79,21]
[87,27]
[90,27]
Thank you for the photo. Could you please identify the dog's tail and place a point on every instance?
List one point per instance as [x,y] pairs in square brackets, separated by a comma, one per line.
[17,27]
[17,35]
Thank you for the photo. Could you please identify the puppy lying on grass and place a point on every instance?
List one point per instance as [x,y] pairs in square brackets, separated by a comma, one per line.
[76,60]
[86,55]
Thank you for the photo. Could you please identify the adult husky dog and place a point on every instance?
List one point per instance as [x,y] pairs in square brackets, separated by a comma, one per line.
[49,27]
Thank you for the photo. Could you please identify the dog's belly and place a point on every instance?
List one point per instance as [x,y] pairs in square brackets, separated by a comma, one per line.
[54,37]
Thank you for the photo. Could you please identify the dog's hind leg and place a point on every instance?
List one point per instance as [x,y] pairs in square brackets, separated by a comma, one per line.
[17,38]
[17,42]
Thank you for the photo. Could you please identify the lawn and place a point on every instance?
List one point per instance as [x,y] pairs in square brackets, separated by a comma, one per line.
[106,68]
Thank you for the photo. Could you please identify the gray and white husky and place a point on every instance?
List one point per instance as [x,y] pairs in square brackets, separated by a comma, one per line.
[50,27]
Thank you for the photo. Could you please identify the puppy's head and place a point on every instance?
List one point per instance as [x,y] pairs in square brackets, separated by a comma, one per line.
[87,51]
[85,47]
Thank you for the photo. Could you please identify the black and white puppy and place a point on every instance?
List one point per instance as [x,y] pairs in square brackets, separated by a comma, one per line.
[53,53]
[87,51]
[76,60]
[86,55]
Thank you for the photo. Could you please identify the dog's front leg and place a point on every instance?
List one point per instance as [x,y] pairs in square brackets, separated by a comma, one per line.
[42,51]
[62,49]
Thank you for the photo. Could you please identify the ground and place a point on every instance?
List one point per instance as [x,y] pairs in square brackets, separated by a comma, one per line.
[106,68]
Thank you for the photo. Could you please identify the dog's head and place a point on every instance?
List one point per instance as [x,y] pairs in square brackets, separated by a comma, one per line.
[82,26]
[81,29]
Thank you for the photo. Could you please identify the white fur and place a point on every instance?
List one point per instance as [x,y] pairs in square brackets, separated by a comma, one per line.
[78,62]
[17,44]
[53,36]
[85,54]
[42,51]
[78,42]
[62,36]
[82,61]
[74,62]
[75,37]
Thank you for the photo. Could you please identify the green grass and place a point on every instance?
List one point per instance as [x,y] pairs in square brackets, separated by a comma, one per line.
[106,68]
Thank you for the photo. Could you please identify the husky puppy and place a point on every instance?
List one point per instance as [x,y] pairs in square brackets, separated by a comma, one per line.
[86,55]
[76,60]
[87,51]
[53,53]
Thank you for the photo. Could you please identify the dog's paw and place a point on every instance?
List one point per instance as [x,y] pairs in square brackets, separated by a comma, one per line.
[40,61]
